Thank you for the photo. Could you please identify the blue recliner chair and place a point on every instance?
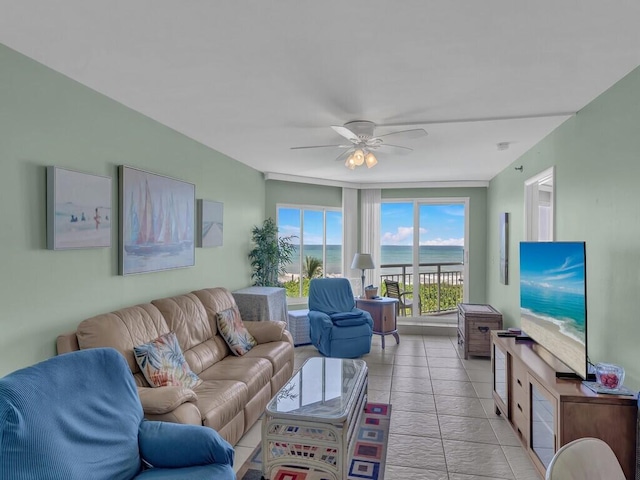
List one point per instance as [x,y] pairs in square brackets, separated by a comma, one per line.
[77,416]
[338,328]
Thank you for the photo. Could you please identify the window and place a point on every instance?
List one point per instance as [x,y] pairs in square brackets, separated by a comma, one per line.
[318,242]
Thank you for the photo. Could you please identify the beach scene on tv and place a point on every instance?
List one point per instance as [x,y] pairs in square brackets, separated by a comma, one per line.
[553,299]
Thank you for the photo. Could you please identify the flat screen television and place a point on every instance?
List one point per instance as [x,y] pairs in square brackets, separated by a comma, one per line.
[553,300]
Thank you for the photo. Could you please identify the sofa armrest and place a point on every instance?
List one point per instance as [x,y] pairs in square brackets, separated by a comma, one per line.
[320,319]
[267,331]
[67,342]
[157,401]
[173,445]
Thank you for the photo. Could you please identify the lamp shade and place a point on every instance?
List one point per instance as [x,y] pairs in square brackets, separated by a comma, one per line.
[362,261]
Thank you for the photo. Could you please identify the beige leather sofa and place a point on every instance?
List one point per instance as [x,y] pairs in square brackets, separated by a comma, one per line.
[235,390]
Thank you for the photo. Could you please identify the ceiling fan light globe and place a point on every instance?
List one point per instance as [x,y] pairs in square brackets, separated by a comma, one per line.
[370,160]
[358,157]
[350,163]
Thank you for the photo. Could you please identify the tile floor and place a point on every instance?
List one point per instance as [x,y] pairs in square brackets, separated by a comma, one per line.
[443,425]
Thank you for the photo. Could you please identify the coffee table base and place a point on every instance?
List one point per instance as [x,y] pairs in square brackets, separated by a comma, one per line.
[316,445]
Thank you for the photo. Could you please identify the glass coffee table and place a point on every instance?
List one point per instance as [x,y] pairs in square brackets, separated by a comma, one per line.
[312,419]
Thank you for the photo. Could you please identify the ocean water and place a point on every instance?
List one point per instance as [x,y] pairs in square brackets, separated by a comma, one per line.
[562,308]
[390,254]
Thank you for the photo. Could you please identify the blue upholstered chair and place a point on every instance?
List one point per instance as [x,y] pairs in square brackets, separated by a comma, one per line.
[338,328]
[77,416]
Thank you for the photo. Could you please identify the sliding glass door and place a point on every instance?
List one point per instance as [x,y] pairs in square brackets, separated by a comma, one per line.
[424,249]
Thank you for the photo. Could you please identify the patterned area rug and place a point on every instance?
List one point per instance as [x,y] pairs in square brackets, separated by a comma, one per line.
[366,461]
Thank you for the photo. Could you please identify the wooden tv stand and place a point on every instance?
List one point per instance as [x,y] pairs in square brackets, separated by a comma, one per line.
[548,412]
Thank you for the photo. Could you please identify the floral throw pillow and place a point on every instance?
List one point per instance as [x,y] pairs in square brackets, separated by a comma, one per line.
[233,331]
[163,364]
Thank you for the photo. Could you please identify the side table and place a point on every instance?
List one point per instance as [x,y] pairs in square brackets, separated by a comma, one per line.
[261,303]
[383,312]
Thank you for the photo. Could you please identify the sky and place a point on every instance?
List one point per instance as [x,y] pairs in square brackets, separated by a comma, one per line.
[289,224]
[438,224]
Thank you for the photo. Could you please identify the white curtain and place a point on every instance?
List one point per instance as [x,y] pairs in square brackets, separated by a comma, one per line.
[350,231]
[370,232]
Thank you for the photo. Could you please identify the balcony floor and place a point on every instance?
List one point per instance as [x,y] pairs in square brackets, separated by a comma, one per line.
[441,324]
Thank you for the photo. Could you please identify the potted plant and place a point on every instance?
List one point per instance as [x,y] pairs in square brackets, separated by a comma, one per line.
[270,254]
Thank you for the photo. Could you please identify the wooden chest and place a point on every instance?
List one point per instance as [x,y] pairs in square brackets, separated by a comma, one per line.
[475,322]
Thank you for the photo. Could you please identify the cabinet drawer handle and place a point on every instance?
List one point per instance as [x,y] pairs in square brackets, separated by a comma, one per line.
[483,329]
[519,407]
[519,382]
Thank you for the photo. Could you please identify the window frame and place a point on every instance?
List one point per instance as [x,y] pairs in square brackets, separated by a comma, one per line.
[316,208]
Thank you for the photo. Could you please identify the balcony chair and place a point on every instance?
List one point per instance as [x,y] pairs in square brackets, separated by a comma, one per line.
[77,416]
[337,327]
[393,291]
[585,459]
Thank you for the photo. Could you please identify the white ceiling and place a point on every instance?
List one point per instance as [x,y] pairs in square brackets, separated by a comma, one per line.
[253,78]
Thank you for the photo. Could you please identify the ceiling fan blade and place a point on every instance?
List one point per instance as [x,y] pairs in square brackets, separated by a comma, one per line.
[344,155]
[408,134]
[322,146]
[346,133]
[398,149]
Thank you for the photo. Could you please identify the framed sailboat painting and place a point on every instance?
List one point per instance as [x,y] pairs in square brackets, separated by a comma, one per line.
[157,218]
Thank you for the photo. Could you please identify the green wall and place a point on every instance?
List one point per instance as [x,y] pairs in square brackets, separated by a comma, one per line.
[477,228]
[278,191]
[597,169]
[47,119]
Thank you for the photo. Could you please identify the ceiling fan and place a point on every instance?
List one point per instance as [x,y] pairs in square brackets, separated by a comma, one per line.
[363,143]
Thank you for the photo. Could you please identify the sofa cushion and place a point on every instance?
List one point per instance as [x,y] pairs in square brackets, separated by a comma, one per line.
[278,353]
[219,401]
[123,329]
[196,331]
[163,364]
[233,331]
[254,372]
[186,316]
[215,300]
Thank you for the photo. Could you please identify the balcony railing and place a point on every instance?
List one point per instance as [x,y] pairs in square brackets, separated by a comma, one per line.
[440,284]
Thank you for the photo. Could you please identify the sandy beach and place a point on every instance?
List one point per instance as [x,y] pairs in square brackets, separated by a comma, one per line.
[549,335]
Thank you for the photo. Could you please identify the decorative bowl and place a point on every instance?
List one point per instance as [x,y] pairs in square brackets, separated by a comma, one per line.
[609,375]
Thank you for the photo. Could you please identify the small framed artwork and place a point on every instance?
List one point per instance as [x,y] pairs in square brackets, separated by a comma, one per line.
[504,248]
[156,222]
[210,225]
[78,209]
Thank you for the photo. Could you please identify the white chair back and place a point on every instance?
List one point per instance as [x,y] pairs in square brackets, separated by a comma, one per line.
[585,459]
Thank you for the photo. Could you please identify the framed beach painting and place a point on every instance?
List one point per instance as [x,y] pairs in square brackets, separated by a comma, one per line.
[504,248]
[210,225]
[156,222]
[78,209]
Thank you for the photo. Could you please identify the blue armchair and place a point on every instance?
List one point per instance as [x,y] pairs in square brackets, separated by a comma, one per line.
[338,328]
[78,416]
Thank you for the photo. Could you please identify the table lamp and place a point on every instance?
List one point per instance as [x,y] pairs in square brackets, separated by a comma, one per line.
[362,261]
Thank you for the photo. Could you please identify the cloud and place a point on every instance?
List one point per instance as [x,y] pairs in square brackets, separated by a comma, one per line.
[285,230]
[402,236]
[458,242]
[457,212]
